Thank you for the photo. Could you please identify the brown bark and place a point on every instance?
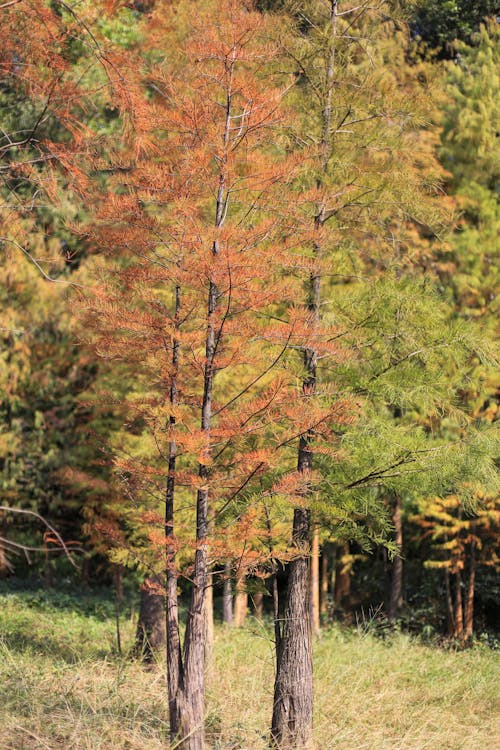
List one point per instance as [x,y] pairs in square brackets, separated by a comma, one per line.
[175,667]
[342,593]
[118,602]
[450,617]
[458,613]
[258,603]
[325,581]
[469,601]
[293,688]
[315,611]
[396,595]
[227,596]
[150,634]
[240,601]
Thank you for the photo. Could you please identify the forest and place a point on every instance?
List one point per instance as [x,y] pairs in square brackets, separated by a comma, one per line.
[249,377]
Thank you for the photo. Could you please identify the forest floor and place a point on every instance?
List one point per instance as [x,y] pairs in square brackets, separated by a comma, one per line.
[63,686]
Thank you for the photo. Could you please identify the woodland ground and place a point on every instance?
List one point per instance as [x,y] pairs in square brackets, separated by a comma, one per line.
[63,686]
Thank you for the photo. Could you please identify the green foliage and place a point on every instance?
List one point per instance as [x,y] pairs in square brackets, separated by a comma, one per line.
[439,23]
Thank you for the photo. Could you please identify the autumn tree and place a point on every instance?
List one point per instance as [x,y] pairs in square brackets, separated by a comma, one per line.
[199,301]
[371,195]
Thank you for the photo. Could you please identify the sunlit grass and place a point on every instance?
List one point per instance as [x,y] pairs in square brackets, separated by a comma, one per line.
[64,686]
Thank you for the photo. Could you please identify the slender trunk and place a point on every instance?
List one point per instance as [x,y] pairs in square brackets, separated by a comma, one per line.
[240,600]
[293,687]
[192,726]
[459,618]
[175,673]
[469,602]
[118,601]
[150,634]
[396,597]
[315,611]
[325,581]
[342,578]
[227,596]
[450,618]
[258,603]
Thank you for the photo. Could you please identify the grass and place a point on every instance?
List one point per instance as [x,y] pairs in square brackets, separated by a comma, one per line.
[65,687]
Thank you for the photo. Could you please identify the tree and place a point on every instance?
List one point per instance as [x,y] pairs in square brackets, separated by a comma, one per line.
[440,24]
[198,301]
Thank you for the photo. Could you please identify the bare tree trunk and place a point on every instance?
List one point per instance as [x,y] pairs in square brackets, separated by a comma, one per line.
[325,582]
[293,688]
[342,577]
[469,602]
[315,623]
[258,603]
[150,634]
[450,616]
[227,596]
[459,618]
[175,667]
[240,600]
[118,602]
[396,597]
[192,715]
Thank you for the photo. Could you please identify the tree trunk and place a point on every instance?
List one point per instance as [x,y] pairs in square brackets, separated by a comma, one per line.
[293,688]
[459,618]
[342,578]
[450,615]
[258,603]
[315,623]
[240,601]
[175,667]
[469,602]
[325,581]
[209,620]
[396,597]
[118,602]
[150,634]
[227,596]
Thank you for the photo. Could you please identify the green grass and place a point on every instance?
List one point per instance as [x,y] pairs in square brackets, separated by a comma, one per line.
[64,686]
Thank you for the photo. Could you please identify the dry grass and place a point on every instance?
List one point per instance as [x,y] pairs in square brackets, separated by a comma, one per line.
[64,688]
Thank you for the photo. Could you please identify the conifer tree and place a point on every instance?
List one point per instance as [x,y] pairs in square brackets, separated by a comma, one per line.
[199,302]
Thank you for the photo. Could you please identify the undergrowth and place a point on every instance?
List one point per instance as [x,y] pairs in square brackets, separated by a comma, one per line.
[64,686]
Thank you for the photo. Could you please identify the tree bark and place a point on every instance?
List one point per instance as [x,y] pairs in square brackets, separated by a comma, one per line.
[227,596]
[175,667]
[150,634]
[469,602]
[315,611]
[450,613]
[396,597]
[342,578]
[325,581]
[240,601]
[459,618]
[293,688]
[258,603]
